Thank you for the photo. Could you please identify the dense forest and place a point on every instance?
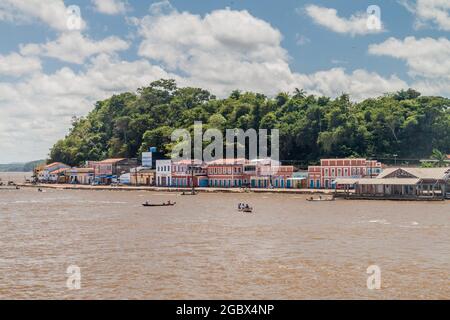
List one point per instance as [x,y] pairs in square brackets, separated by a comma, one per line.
[402,124]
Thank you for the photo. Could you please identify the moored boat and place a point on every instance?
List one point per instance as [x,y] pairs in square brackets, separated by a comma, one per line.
[320,199]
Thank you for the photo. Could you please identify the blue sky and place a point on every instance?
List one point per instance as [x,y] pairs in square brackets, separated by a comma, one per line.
[49,73]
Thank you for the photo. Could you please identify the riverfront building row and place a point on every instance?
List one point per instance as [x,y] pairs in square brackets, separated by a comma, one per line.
[226,173]
[355,177]
[223,173]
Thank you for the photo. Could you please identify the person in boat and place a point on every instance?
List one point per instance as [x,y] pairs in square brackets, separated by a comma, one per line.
[169,203]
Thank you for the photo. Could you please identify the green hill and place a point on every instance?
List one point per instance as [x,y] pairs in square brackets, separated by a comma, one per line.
[20,167]
[404,124]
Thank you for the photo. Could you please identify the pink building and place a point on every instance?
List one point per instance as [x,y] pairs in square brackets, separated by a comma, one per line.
[227,173]
[272,175]
[323,176]
[182,173]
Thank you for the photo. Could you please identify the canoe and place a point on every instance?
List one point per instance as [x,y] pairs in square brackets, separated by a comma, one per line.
[319,199]
[158,204]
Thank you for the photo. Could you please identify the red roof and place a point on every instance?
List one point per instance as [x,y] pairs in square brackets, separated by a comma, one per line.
[55,164]
[60,171]
[115,160]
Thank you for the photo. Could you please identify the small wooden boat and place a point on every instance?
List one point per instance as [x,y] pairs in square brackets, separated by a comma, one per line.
[189,193]
[159,204]
[320,199]
[245,208]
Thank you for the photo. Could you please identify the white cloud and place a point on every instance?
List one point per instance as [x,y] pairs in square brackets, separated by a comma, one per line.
[111,7]
[37,110]
[426,57]
[54,13]
[329,18]
[226,49]
[74,47]
[360,84]
[161,7]
[428,60]
[221,51]
[17,65]
[435,11]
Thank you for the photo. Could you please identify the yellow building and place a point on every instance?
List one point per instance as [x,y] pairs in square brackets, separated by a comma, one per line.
[142,176]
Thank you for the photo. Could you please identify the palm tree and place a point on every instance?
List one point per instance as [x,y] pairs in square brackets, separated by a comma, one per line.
[299,93]
[439,157]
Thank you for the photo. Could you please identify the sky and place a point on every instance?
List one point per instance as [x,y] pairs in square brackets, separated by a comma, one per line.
[57,58]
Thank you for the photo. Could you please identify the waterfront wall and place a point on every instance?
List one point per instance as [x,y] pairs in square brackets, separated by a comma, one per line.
[178,190]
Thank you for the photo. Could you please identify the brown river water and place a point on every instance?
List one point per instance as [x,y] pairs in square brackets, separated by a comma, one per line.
[203,248]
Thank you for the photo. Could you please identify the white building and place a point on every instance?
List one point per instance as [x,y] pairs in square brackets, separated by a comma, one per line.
[52,172]
[163,173]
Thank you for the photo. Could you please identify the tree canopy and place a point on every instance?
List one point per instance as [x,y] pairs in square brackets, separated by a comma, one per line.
[404,124]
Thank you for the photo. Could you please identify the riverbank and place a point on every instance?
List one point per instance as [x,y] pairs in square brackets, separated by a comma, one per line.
[165,189]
